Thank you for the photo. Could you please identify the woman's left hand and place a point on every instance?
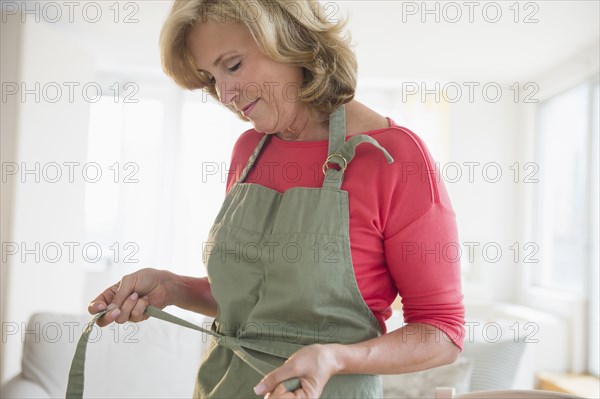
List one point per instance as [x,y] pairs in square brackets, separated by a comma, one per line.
[314,365]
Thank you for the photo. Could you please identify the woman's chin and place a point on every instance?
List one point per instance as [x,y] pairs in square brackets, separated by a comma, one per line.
[262,129]
[256,127]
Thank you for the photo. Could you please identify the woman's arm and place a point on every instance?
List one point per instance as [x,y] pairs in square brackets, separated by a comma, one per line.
[192,293]
[414,347]
[127,299]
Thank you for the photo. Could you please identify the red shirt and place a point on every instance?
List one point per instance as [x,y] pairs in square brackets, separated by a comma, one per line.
[403,234]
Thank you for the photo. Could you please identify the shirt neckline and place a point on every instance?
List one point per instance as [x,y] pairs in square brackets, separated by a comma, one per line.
[316,143]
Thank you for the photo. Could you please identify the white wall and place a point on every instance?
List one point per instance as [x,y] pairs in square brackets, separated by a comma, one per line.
[487,136]
[9,72]
[44,212]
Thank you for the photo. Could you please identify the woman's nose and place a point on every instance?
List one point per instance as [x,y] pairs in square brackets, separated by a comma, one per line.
[228,92]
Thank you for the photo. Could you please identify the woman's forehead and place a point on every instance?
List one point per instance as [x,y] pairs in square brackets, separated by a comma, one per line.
[209,39]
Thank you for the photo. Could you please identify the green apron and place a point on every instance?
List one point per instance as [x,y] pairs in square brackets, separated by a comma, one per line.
[280,270]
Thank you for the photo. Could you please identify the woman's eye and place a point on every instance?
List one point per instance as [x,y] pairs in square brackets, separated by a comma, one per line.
[235,67]
[206,77]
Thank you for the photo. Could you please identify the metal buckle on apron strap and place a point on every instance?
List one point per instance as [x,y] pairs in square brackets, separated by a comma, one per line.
[329,160]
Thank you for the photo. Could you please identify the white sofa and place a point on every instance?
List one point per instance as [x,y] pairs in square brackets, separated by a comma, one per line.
[156,359]
[145,360]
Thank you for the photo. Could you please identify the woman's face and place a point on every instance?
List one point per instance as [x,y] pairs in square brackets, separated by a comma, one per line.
[264,90]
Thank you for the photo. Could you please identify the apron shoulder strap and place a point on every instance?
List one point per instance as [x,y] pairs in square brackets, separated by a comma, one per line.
[252,158]
[341,152]
[337,129]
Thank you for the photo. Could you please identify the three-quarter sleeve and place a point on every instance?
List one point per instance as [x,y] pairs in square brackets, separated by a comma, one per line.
[424,263]
[421,243]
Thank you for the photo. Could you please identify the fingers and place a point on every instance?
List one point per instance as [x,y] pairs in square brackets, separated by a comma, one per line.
[137,313]
[101,302]
[273,380]
[132,310]
[96,307]
[124,290]
[109,317]
[115,300]
[280,392]
[127,300]
[126,308]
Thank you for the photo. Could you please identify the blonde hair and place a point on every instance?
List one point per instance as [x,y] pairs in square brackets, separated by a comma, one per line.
[295,32]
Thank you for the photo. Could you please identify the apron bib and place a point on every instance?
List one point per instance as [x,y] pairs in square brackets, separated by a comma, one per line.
[280,269]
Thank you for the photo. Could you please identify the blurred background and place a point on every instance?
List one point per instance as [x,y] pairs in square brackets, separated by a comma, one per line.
[108,167]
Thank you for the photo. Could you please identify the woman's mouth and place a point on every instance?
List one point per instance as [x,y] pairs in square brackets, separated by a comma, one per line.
[248,108]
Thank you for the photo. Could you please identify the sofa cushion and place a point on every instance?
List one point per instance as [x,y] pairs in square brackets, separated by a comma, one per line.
[150,359]
[495,364]
[422,384]
[18,387]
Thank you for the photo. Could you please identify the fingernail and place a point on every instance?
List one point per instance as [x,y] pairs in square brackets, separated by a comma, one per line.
[115,313]
[259,389]
[111,307]
[101,306]
[134,296]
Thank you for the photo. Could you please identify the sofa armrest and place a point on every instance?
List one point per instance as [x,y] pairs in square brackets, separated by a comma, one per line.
[150,359]
[20,387]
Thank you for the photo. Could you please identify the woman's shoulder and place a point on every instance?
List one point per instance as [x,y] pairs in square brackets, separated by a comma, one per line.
[250,136]
[245,144]
[401,142]
[240,154]
[413,165]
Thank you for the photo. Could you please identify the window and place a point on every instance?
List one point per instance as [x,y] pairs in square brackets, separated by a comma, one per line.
[208,134]
[594,311]
[561,196]
[164,158]
[566,201]
[124,182]
[104,147]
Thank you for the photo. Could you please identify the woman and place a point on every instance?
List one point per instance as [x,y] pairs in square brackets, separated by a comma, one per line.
[304,265]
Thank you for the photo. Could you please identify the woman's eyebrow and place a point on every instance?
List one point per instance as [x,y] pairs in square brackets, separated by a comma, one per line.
[219,58]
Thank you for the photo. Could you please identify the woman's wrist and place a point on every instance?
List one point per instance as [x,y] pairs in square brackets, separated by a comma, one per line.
[191,293]
[172,285]
[182,290]
[343,356]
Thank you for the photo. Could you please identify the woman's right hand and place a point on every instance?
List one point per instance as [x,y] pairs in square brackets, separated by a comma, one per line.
[127,300]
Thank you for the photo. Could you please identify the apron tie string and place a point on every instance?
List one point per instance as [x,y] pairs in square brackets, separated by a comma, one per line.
[75,383]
